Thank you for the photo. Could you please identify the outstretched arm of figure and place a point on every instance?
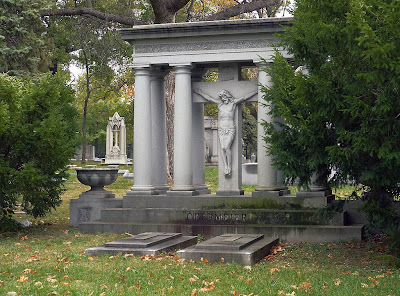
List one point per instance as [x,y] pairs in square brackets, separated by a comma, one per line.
[246,97]
[205,96]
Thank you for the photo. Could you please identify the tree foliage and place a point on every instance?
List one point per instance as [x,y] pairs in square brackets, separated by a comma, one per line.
[21,44]
[37,132]
[342,114]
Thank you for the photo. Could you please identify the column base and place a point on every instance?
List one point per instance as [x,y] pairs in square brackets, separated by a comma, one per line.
[182,193]
[202,189]
[267,193]
[161,189]
[229,192]
[142,190]
[314,193]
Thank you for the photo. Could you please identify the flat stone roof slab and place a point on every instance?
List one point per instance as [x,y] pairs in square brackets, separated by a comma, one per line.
[147,243]
[244,249]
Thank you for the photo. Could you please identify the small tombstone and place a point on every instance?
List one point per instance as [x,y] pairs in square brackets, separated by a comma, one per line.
[148,243]
[244,249]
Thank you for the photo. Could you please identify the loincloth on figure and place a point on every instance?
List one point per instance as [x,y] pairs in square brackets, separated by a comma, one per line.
[224,132]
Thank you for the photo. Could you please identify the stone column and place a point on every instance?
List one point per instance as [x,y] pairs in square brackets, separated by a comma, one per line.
[159,130]
[267,173]
[142,157]
[198,151]
[183,163]
[109,139]
[123,139]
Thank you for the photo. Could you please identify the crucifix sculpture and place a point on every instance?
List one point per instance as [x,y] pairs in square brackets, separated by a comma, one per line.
[226,124]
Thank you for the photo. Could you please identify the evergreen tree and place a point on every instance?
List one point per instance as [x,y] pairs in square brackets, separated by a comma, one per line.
[21,44]
[38,137]
[342,114]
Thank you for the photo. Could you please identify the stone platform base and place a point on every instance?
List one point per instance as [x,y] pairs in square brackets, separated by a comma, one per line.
[244,249]
[89,209]
[149,243]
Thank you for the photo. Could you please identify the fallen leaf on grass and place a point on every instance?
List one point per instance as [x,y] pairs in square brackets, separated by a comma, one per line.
[380,276]
[22,279]
[337,282]
[325,286]
[307,286]
[249,281]
[207,289]
[364,285]
[28,270]
[204,260]
[1,283]
[248,267]
[194,292]
[193,279]
[273,270]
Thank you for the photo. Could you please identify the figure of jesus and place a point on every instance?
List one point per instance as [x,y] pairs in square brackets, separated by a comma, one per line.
[226,123]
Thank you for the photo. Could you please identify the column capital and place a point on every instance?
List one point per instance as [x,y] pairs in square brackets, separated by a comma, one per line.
[182,66]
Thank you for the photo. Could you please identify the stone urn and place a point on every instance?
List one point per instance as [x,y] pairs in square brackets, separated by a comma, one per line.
[97,178]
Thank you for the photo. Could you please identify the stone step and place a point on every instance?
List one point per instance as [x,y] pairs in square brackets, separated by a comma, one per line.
[293,233]
[219,216]
[212,201]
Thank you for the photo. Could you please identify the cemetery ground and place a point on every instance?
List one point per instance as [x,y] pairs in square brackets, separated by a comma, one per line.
[48,259]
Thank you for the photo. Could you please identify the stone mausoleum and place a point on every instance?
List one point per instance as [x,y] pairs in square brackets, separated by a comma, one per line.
[190,49]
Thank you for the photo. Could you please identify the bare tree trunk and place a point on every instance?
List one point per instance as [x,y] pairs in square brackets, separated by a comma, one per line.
[170,100]
[85,107]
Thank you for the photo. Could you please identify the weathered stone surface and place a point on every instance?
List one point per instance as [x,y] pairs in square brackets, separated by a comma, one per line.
[244,249]
[147,243]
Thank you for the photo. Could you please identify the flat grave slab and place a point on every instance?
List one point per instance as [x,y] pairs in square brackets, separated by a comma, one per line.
[147,243]
[244,249]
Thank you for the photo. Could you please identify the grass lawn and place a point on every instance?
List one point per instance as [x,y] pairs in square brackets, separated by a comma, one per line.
[48,259]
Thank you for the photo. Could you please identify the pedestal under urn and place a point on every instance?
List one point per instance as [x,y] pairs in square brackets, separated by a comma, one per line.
[97,178]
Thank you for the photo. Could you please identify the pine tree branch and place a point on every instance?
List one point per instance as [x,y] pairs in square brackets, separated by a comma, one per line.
[242,8]
[70,11]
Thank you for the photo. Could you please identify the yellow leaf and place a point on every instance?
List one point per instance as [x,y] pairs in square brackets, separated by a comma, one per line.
[249,281]
[28,270]
[364,285]
[103,294]
[1,283]
[222,260]
[337,282]
[194,292]
[193,279]
[22,279]
[248,267]
[380,276]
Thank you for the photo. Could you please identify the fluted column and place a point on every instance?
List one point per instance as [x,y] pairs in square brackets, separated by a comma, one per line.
[183,163]
[159,131]
[142,134]
[267,173]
